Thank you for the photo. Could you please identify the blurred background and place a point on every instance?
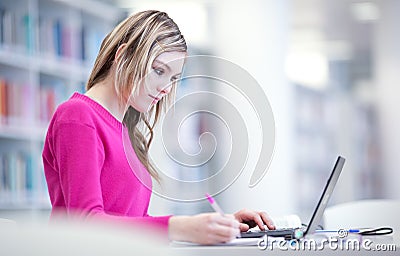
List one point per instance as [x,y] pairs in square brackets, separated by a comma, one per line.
[328,68]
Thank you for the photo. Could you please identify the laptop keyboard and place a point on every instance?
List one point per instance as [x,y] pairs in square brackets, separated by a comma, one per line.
[287,233]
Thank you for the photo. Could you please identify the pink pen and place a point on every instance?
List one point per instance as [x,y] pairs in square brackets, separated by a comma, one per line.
[214,204]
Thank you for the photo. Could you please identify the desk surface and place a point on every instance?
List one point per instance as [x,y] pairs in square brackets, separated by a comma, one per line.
[371,246]
[248,250]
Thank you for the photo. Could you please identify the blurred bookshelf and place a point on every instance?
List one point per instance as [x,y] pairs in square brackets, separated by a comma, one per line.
[335,120]
[47,48]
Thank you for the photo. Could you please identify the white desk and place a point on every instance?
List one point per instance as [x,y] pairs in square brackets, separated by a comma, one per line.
[248,251]
[194,250]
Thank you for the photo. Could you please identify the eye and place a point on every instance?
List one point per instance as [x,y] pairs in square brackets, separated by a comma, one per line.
[158,71]
[175,78]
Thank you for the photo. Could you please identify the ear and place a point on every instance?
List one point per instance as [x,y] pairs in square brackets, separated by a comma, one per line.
[119,51]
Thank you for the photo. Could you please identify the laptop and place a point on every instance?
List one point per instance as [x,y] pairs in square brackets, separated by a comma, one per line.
[296,233]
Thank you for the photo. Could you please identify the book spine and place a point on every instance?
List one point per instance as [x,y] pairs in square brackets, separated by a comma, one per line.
[3,101]
[2,26]
[2,176]
[83,43]
[57,33]
[16,101]
[66,42]
[21,178]
[29,33]
[9,25]
[29,174]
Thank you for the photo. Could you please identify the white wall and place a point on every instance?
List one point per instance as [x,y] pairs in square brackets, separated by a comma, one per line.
[387,82]
[253,34]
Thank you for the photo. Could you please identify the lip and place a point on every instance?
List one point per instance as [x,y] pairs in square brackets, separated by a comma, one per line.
[154,98]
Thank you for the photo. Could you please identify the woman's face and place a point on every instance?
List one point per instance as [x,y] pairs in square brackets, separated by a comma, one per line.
[165,69]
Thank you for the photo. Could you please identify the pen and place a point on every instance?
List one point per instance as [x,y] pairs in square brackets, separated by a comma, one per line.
[214,204]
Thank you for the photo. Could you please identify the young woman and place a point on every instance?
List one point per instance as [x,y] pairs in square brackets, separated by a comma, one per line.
[85,164]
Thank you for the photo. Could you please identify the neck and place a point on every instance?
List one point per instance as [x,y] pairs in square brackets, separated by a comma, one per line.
[104,93]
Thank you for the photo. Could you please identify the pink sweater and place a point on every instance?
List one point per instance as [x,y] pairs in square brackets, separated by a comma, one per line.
[87,170]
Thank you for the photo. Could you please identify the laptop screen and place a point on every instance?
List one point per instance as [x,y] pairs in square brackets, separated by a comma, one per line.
[326,194]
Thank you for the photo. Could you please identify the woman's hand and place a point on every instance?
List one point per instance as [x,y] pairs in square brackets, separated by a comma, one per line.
[249,219]
[206,228]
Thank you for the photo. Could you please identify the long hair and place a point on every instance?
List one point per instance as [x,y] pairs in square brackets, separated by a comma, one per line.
[146,34]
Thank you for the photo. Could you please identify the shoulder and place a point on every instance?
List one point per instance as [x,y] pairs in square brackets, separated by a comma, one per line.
[75,110]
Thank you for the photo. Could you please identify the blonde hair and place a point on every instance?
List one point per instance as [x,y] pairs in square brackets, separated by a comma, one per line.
[146,34]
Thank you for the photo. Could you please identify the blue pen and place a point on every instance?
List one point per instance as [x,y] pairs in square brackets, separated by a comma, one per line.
[353,230]
[348,230]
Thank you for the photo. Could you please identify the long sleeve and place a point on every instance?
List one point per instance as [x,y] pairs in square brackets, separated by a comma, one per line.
[88,175]
[80,159]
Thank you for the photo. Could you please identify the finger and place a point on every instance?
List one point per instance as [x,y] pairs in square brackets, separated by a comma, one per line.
[231,216]
[226,232]
[244,227]
[257,219]
[267,220]
[227,221]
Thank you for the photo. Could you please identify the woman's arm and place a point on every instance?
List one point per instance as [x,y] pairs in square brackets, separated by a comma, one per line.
[206,228]
[211,228]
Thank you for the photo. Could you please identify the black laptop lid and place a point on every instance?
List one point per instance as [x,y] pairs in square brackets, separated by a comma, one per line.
[326,194]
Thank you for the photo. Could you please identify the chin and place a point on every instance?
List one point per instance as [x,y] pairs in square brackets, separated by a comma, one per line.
[141,109]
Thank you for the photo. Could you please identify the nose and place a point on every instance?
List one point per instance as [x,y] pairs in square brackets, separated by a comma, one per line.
[164,90]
